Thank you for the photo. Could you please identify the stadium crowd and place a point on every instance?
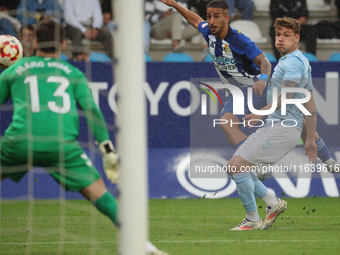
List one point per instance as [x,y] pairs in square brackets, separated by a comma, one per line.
[82,19]
[90,24]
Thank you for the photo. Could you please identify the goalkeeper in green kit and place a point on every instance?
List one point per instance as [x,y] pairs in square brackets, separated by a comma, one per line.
[45,125]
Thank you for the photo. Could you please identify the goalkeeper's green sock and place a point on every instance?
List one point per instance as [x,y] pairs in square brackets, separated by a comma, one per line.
[108,206]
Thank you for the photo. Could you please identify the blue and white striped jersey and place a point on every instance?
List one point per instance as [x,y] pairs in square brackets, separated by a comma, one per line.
[233,56]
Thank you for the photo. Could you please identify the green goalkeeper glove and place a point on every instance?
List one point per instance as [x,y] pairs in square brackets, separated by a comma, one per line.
[110,160]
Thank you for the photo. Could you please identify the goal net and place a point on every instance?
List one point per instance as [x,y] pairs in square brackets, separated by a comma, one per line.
[37,215]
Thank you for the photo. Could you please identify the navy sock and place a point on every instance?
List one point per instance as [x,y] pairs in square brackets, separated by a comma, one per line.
[323,152]
[239,144]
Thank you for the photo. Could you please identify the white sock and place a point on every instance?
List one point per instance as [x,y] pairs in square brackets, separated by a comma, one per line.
[270,199]
[253,216]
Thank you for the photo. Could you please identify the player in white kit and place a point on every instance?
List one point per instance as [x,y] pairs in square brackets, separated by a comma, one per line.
[272,142]
[238,61]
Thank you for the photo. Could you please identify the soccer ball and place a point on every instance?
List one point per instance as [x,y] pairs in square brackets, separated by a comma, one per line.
[10,50]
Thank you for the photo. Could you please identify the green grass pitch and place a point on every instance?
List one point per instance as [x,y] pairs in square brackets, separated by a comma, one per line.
[180,227]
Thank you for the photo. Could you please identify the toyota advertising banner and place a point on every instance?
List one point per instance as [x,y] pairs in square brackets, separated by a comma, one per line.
[183,132]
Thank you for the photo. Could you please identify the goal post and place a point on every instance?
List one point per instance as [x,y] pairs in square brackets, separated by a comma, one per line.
[129,70]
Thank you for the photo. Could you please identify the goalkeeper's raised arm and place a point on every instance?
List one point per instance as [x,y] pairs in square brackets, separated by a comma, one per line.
[190,16]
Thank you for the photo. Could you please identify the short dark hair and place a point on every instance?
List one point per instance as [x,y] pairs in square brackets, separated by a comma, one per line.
[218,4]
[288,23]
[76,53]
[49,35]
[29,27]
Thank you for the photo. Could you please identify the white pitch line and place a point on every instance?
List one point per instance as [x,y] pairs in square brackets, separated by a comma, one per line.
[235,216]
[64,242]
[240,241]
[53,217]
[176,241]
[102,216]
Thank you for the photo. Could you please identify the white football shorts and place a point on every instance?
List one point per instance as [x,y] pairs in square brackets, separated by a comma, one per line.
[269,144]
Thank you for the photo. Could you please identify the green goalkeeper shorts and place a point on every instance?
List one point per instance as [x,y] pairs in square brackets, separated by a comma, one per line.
[67,163]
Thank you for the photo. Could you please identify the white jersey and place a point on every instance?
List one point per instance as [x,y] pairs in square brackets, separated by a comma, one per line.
[292,67]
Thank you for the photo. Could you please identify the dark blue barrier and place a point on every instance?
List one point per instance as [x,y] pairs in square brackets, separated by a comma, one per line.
[169,135]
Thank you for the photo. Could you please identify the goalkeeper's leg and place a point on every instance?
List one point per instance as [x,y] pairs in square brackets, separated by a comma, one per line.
[105,203]
[102,199]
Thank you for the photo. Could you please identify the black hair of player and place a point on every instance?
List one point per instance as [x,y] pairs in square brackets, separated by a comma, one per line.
[218,4]
[29,27]
[50,35]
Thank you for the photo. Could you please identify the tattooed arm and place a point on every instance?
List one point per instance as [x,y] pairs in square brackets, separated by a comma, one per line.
[266,68]
[289,95]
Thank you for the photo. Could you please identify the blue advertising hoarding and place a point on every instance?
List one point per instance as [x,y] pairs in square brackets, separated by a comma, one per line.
[170,105]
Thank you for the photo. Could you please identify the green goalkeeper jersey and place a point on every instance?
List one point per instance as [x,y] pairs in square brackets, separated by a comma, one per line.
[45,94]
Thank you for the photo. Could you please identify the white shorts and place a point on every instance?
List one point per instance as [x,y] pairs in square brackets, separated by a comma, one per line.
[269,144]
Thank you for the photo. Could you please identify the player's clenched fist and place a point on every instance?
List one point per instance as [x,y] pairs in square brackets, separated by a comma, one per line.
[110,160]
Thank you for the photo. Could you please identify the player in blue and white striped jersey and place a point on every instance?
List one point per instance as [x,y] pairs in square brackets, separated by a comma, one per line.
[233,55]
[237,60]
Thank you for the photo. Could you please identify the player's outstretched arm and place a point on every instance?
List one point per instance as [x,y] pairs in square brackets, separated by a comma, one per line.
[254,117]
[110,160]
[310,146]
[190,16]
[266,68]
